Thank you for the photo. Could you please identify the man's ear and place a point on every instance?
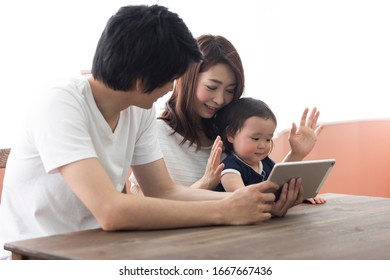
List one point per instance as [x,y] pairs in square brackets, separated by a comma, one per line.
[139,85]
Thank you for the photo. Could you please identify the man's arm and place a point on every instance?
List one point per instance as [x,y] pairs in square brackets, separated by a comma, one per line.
[291,195]
[114,210]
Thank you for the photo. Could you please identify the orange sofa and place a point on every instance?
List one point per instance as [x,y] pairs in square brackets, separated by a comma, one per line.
[362,153]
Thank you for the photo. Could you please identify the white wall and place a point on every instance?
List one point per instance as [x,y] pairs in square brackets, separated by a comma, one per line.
[332,54]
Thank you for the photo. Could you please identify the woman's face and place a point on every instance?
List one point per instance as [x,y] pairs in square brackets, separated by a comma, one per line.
[215,89]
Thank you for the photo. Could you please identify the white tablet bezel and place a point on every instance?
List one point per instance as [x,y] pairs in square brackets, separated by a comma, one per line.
[312,172]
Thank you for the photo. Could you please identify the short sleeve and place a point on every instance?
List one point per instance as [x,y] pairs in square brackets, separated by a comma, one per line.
[147,148]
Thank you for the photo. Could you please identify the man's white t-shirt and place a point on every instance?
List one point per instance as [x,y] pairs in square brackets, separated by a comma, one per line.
[67,126]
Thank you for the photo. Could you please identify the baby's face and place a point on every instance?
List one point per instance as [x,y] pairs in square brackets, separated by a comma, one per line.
[253,142]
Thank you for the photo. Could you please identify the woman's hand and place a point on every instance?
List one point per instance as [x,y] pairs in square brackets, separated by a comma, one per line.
[214,167]
[303,139]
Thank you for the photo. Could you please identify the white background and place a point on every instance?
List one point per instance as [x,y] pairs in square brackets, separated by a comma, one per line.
[332,54]
[281,269]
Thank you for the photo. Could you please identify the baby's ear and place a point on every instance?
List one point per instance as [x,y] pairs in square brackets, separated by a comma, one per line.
[230,138]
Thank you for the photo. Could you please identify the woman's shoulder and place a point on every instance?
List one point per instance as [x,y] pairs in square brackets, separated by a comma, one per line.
[166,133]
[174,140]
[162,126]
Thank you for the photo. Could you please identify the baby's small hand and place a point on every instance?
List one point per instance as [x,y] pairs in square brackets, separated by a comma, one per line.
[316,200]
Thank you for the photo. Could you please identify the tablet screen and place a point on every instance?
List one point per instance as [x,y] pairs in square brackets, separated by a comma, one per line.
[312,172]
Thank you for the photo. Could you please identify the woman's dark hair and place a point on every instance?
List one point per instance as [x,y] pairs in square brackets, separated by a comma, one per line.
[143,42]
[179,112]
[230,119]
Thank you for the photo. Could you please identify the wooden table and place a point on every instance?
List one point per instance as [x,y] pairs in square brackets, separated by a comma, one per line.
[346,227]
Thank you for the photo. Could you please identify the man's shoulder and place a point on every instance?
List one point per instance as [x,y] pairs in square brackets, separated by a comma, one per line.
[141,113]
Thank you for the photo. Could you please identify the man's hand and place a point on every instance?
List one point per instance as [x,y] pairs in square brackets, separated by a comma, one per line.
[291,195]
[249,205]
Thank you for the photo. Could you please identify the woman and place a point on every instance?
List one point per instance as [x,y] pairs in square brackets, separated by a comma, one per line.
[186,124]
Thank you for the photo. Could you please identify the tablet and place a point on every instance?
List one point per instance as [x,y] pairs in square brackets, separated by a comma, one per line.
[312,172]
